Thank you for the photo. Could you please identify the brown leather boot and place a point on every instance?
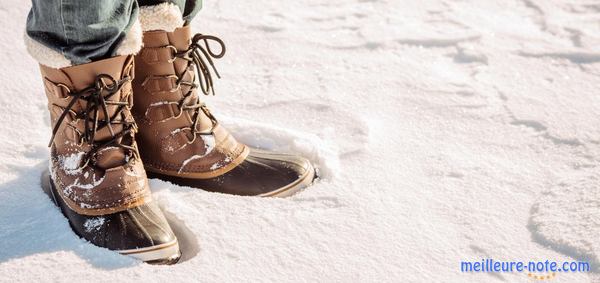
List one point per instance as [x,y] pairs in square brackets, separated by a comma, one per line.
[182,142]
[95,175]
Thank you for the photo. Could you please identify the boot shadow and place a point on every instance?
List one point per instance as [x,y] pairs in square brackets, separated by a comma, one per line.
[31,224]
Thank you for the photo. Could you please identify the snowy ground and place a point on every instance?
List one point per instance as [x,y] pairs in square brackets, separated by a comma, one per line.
[444,131]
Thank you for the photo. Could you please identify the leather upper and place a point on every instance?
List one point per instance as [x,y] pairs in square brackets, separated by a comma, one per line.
[111,178]
[166,107]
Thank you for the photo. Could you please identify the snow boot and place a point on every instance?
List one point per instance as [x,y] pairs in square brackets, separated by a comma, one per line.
[95,175]
[180,140]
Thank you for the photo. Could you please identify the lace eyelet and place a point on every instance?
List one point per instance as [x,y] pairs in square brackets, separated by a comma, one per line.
[173,54]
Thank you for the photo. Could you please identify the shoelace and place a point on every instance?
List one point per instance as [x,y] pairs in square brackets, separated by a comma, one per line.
[201,57]
[96,97]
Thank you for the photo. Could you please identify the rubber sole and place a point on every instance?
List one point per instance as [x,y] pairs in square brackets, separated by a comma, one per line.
[167,253]
[302,182]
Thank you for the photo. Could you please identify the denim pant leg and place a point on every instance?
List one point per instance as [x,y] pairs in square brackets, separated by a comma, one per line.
[61,33]
[82,31]
[189,8]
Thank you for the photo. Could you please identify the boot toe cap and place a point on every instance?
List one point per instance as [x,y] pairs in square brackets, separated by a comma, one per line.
[287,175]
[268,174]
[141,232]
[262,173]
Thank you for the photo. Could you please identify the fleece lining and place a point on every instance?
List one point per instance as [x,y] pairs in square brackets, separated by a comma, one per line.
[131,44]
[44,55]
[165,16]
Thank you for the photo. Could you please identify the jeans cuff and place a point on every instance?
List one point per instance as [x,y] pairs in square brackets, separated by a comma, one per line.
[45,55]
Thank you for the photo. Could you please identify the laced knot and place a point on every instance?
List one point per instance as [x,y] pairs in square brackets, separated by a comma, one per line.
[97,101]
[200,55]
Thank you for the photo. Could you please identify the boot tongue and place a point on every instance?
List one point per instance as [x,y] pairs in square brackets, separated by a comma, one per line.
[83,76]
[181,37]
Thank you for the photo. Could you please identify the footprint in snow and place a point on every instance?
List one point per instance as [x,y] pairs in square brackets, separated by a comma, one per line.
[566,218]
[331,128]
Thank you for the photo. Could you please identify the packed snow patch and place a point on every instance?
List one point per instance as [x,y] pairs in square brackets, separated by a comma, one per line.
[93,224]
[92,184]
[209,143]
[220,163]
[209,146]
[71,163]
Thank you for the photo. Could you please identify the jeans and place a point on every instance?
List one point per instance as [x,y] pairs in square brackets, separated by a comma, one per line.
[85,31]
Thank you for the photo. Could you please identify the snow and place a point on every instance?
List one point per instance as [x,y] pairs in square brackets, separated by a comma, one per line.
[86,185]
[209,146]
[93,224]
[71,163]
[566,215]
[220,164]
[192,158]
[209,143]
[444,131]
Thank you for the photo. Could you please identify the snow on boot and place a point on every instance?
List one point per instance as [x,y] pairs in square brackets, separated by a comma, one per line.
[95,176]
[181,141]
